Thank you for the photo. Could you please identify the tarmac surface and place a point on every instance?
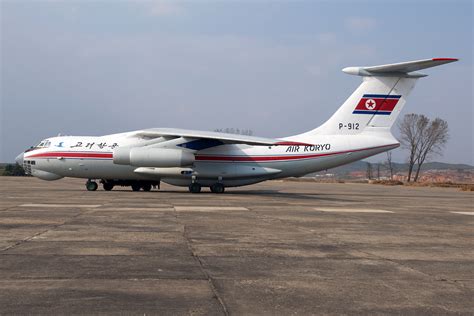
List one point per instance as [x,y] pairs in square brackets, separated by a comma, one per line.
[275,248]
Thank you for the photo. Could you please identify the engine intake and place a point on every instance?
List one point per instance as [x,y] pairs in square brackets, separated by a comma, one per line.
[153,157]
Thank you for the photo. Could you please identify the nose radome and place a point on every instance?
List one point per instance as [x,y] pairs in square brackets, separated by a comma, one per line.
[19,159]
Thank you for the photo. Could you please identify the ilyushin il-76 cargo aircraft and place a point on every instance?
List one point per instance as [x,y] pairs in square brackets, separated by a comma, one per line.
[141,159]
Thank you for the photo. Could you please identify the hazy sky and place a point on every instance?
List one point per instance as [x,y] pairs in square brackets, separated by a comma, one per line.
[100,67]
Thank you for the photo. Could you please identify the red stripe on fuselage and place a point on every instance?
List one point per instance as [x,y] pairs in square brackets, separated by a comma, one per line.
[71,154]
[279,158]
[95,155]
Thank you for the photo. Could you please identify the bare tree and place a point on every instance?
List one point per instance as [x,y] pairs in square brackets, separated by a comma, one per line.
[369,171]
[389,164]
[411,127]
[422,138]
[433,140]
[378,171]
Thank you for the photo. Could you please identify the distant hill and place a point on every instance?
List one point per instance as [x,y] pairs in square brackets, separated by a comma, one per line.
[361,166]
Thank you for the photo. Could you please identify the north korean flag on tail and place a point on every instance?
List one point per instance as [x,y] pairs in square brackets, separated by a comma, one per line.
[378,104]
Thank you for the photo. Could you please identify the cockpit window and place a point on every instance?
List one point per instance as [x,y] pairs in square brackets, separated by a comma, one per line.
[44,144]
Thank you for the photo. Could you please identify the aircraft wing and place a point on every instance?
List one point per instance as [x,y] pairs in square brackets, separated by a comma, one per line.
[224,138]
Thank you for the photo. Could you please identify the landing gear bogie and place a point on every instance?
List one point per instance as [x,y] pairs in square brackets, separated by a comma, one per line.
[217,188]
[107,186]
[146,187]
[136,186]
[195,187]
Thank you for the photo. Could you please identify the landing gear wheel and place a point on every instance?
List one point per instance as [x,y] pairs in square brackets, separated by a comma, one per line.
[91,186]
[107,186]
[136,186]
[194,187]
[146,187]
[217,188]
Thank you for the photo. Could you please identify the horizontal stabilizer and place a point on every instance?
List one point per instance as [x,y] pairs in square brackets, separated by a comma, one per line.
[405,69]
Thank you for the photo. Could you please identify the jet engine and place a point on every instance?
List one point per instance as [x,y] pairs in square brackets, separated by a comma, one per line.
[153,157]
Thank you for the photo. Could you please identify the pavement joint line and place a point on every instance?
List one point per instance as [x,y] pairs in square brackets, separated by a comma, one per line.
[350,210]
[61,205]
[41,233]
[269,219]
[373,256]
[434,278]
[204,208]
[161,209]
[23,240]
[201,266]
[407,297]
[10,208]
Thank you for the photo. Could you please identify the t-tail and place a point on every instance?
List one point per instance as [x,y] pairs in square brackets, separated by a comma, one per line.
[378,101]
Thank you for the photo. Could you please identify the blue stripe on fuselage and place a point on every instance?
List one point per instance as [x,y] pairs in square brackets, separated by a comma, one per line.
[381,96]
[371,112]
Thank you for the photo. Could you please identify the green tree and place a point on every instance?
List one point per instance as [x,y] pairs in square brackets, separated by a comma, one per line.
[14,170]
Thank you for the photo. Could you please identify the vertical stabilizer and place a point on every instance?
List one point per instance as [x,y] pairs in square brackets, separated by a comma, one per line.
[378,101]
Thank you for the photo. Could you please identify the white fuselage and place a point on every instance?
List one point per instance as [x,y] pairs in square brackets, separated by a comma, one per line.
[231,164]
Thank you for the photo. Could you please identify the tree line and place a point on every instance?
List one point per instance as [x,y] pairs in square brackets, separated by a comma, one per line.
[14,170]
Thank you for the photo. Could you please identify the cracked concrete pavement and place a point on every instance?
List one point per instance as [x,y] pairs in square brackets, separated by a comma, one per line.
[278,247]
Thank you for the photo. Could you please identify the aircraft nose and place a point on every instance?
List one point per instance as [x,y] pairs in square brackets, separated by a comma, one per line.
[19,159]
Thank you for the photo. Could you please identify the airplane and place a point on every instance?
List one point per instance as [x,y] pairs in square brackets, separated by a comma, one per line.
[360,128]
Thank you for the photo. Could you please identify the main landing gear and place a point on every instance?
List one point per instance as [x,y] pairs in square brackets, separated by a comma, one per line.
[108,185]
[194,187]
[146,187]
[215,188]
[136,186]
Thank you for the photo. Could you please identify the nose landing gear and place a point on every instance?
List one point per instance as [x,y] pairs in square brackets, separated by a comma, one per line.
[91,185]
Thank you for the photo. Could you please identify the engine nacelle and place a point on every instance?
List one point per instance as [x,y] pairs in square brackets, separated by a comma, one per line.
[153,157]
